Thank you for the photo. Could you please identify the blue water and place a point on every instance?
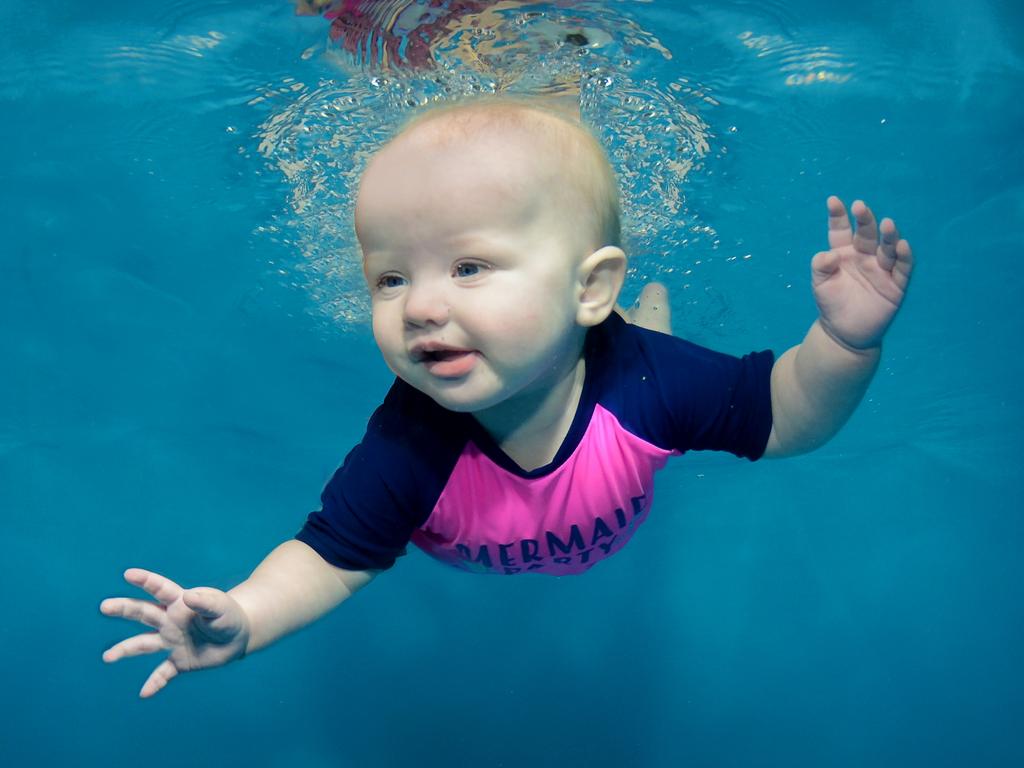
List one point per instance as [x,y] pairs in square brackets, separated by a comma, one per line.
[185,361]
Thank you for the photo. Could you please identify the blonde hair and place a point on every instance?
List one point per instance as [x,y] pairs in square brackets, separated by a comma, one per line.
[590,180]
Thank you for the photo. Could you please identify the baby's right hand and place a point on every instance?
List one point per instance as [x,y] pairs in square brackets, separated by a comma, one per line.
[201,627]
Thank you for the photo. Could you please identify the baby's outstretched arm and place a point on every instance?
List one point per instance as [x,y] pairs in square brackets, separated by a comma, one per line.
[205,627]
[859,284]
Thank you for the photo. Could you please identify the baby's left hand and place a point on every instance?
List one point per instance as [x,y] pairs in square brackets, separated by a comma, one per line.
[859,283]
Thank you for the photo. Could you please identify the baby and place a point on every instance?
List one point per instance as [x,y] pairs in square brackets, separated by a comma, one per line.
[528,416]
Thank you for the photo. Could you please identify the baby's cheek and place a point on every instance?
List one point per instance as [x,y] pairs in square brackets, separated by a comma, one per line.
[377,328]
[384,333]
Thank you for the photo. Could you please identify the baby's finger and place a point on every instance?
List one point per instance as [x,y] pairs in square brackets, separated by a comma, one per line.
[208,603]
[840,232]
[160,587]
[823,266]
[151,642]
[142,611]
[865,239]
[904,264]
[157,681]
[887,247]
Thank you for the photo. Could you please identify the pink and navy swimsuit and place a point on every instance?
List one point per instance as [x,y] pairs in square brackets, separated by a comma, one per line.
[436,478]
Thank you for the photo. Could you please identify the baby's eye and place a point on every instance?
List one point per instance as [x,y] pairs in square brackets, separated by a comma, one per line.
[390,281]
[469,269]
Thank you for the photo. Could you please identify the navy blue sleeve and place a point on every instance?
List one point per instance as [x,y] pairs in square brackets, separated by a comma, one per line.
[681,396]
[388,484]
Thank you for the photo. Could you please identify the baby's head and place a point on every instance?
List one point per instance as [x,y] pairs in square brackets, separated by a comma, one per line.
[490,238]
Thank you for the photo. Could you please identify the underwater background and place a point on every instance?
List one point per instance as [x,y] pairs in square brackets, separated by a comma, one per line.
[185,358]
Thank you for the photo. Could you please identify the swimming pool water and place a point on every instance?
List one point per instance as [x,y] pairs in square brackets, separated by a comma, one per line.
[185,361]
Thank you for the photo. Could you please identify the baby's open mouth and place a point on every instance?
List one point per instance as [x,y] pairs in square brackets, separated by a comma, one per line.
[429,355]
[446,362]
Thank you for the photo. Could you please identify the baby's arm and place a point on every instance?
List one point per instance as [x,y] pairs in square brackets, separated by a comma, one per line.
[859,284]
[291,588]
[816,386]
[205,627]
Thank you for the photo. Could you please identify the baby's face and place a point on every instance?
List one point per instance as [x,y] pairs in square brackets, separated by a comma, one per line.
[472,269]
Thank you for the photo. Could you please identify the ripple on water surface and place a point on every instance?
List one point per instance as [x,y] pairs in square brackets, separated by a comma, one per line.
[595,55]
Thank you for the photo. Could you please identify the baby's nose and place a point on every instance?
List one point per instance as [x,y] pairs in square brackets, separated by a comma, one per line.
[426,304]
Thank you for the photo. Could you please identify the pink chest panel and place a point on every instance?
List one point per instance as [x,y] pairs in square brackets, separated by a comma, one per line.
[488,520]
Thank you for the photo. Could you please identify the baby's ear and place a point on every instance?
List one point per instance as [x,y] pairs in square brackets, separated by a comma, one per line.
[601,275]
